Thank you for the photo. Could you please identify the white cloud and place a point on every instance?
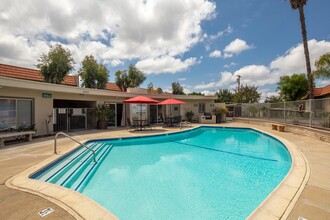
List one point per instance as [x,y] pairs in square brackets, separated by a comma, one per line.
[236,47]
[205,86]
[230,65]
[215,53]
[116,62]
[182,79]
[227,55]
[208,93]
[293,61]
[212,37]
[254,75]
[266,77]
[209,39]
[112,31]
[226,78]
[166,64]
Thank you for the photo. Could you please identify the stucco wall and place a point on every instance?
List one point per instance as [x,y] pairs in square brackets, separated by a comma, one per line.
[42,106]
[192,105]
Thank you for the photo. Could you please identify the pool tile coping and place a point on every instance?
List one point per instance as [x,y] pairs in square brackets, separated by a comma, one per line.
[277,205]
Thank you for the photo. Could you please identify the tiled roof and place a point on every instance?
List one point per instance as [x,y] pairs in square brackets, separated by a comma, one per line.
[34,75]
[30,74]
[318,92]
[112,87]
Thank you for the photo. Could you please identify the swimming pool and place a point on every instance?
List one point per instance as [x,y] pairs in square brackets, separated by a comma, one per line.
[206,173]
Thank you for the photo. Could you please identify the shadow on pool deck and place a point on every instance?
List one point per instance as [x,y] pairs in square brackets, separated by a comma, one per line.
[314,202]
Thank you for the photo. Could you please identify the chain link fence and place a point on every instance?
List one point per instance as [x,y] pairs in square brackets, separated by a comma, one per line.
[311,113]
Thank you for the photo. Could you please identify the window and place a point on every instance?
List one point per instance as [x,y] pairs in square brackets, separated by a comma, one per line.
[15,113]
[201,107]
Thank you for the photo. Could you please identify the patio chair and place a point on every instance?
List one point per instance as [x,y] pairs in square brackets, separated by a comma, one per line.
[148,125]
[132,127]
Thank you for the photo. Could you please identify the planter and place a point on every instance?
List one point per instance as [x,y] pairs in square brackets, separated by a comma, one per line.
[218,119]
[102,124]
[223,118]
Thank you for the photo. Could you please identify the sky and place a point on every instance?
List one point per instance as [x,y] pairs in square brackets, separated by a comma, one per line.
[201,44]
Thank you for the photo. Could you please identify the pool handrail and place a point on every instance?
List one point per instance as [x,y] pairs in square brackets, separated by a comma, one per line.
[68,136]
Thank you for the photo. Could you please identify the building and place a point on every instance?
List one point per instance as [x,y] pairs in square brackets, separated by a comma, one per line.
[25,100]
[323,92]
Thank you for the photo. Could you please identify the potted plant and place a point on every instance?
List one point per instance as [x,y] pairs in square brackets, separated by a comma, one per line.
[223,112]
[189,116]
[103,113]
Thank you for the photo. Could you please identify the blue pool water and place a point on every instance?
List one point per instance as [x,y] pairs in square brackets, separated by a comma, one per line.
[206,173]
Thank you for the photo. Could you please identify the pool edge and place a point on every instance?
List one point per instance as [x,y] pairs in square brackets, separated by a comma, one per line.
[76,204]
[280,202]
[277,205]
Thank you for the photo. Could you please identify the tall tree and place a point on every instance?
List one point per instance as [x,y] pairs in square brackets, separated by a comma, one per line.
[103,77]
[246,94]
[224,96]
[131,78]
[159,90]
[94,75]
[273,99]
[299,4]
[177,89]
[195,93]
[55,65]
[293,87]
[322,66]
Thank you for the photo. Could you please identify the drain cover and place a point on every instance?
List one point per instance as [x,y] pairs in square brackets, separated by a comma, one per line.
[45,212]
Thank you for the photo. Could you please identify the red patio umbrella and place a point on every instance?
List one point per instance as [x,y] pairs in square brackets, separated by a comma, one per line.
[140,100]
[171,101]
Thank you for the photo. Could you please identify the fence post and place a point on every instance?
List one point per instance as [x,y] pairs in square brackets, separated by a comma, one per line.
[284,113]
[269,105]
[310,112]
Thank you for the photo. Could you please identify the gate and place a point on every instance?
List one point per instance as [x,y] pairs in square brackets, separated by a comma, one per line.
[70,119]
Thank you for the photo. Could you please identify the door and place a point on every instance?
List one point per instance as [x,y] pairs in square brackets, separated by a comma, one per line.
[112,121]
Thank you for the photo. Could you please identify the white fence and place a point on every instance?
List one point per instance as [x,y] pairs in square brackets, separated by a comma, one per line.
[311,113]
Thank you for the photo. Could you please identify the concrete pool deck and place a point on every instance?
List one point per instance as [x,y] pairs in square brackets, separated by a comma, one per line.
[313,203]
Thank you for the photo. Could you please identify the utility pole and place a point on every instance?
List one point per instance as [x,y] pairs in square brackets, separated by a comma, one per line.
[238,82]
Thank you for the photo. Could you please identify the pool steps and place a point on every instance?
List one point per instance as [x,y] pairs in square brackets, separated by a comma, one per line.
[78,168]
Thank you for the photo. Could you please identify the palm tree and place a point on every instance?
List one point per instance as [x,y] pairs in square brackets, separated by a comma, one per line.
[299,4]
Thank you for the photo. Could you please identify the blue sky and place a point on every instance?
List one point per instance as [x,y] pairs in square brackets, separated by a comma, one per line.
[202,44]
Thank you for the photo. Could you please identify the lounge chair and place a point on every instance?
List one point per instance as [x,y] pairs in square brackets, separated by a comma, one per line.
[185,124]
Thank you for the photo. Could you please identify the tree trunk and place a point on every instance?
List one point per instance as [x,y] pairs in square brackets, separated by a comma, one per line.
[308,64]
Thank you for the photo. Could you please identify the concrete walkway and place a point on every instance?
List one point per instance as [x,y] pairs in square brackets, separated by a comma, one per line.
[314,202]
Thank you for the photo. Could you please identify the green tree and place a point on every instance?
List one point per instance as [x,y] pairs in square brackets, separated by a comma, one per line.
[103,77]
[131,78]
[322,66]
[195,93]
[94,75]
[55,65]
[159,90]
[246,94]
[299,4]
[177,89]
[150,87]
[224,96]
[273,99]
[293,87]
